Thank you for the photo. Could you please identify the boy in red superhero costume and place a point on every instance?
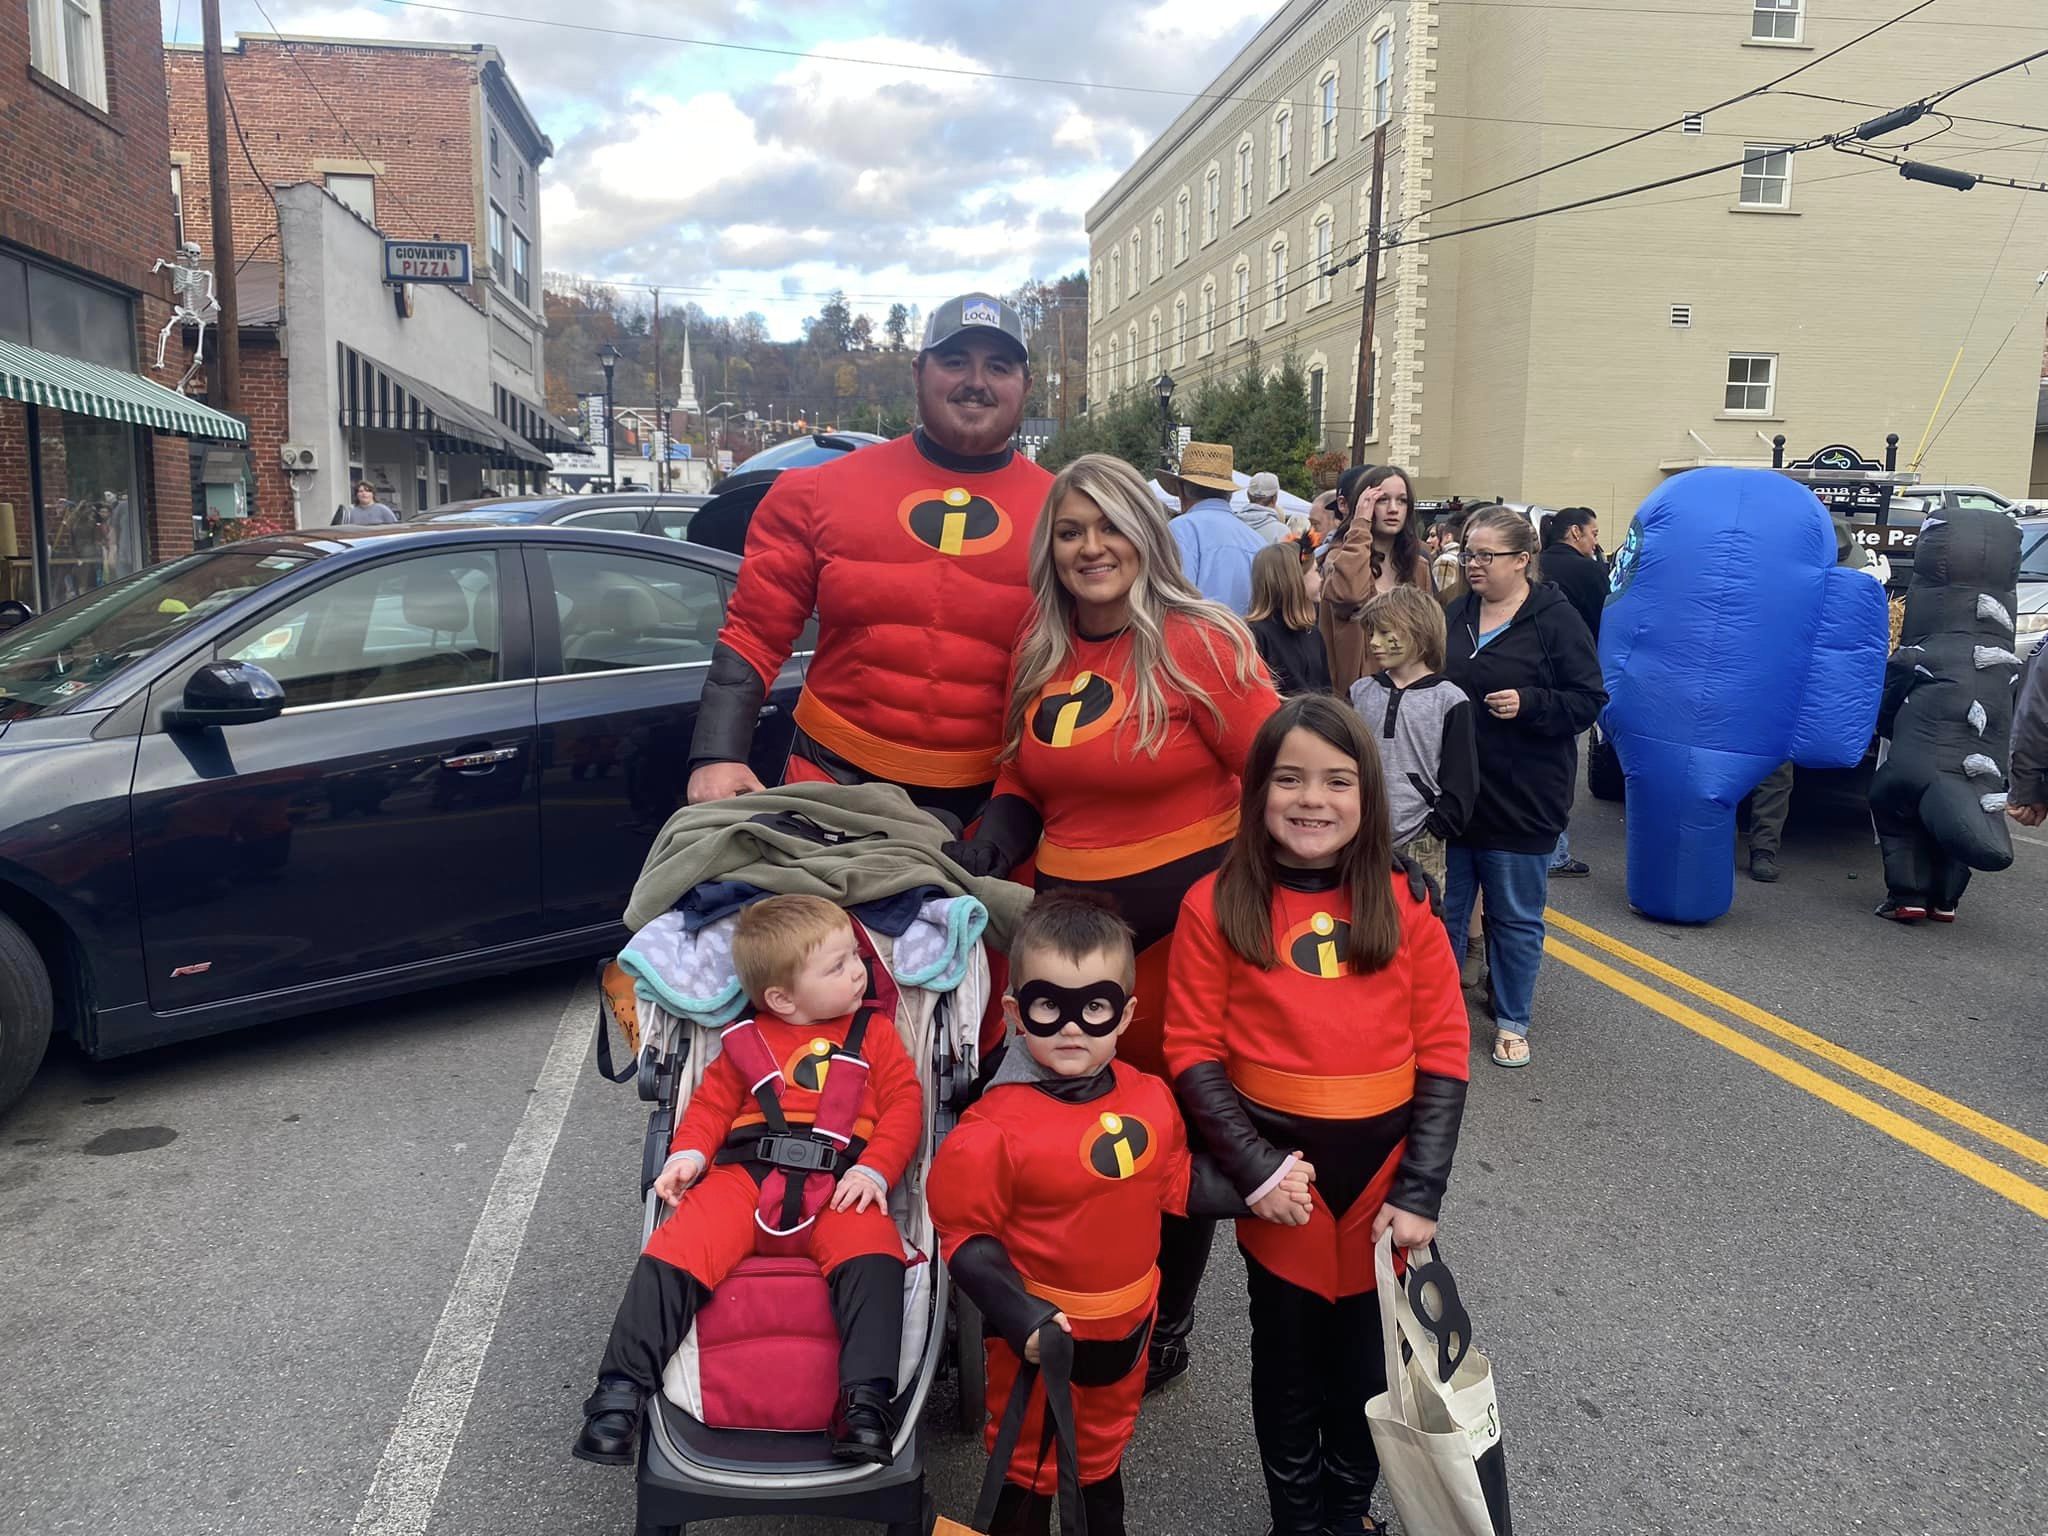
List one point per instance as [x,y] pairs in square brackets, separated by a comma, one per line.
[913,555]
[797,958]
[1047,1198]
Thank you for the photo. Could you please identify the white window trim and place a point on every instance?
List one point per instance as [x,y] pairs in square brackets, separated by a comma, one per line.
[1276,282]
[1370,118]
[1137,282]
[1798,14]
[178,201]
[1325,289]
[1752,152]
[1241,180]
[1364,206]
[1770,405]
[1180,330]
[1280,155]
[1241,299]
[1116,275]
[1205,319]
[1131,361]
[1184,225]
[1318,361]
[1155,331]
[1115,364]
[1158,244]
[1331,76]
[1212,214]
[49,48]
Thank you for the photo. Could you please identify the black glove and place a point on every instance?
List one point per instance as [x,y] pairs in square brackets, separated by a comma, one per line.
[1420,884]
[1006,837]
[1425,1169]
[982,1268]
[1210,1101]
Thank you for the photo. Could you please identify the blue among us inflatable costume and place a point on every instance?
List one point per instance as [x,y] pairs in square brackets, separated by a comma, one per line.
[1731,643]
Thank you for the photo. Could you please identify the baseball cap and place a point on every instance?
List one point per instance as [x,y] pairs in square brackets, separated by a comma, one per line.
[1264,487]
[971,314]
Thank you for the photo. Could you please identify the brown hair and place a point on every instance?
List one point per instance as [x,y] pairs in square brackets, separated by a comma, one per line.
[1516,532]
[1407,553]
[1277,587]
[1075,927]
[774,937]
[1415,616]
[364,485]
[1244,887]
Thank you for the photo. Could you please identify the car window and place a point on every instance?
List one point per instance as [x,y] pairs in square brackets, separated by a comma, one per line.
[632,610]
[1979,501]
[2034,557]
[416,625]
[622,519]
[673,522]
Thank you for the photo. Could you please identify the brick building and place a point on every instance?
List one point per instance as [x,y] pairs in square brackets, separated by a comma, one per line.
[95,477]
[428,141]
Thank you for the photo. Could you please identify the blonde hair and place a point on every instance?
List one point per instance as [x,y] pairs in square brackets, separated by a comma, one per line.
[1415,616]
[1278,588]
[1161,592]
[1517,535]
[774,937]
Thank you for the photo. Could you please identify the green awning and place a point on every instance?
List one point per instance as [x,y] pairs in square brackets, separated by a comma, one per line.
[35,377]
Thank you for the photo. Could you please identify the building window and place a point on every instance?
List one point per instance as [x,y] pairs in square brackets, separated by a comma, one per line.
[65,43]
[1382,78]
[178,203]
[1241,307]
[1276,306]
[1180,332]
[1326,124]
[1095,384]
[498,241]
[522,288]
[1752,383]
[1095,302]
[494,146]
[1154,356]
[1766,176]
[357,192]
[1180,228]
[1325,252]
[1116,275]
[1137,274]
[1158,246]
[1283,150]
[1212,203]
[1244,179]
[1115,358]
[519,181]
[1208,331]
[1131,341]
[1315,401]
[1775,21]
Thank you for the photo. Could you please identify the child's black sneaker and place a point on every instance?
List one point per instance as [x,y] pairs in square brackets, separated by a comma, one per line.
[611,1423]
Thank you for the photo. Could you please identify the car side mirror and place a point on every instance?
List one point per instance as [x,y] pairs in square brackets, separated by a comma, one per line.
[226,693]
[14,613]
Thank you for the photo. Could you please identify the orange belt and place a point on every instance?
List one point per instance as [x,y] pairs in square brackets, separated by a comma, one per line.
[1136,858]
[928,767]
[1326,1098]
[1097,1304]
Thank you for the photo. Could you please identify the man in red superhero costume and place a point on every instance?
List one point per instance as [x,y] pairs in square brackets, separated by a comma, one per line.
[914,557]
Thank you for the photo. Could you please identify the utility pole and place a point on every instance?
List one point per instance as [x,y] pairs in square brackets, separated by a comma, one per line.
[1359,425]
[224,381]
[661,416]
[1060,314]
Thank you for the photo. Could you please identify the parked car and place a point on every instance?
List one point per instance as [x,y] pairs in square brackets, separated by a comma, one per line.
[497,716]
[731,509]
[665,513]
[2031,621]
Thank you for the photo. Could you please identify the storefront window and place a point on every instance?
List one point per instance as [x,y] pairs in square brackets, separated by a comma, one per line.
[92,524]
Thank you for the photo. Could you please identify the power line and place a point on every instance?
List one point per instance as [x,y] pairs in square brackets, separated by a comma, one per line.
[1873,106]
[1986,178]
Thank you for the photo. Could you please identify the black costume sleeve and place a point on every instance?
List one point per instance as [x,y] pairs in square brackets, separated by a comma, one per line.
[1209,1099]
[1007,835]
[1425,1169]
[1210,1194]
[1579,692]
[2029,774]
[1901,672]
[1457,775]
[983,1269]
[729,710]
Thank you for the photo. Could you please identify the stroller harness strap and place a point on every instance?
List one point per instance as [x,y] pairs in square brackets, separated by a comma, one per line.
[802,1161]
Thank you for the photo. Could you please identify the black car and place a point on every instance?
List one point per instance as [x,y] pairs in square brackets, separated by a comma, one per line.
[305,769]
[664,513]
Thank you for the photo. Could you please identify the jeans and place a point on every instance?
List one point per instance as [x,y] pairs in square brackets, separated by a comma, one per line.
[1516,886]
[1563,854]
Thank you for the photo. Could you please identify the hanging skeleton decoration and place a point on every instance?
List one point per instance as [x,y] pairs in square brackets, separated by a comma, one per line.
[194,303]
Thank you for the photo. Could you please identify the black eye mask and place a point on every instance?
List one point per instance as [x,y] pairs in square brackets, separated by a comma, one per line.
[1072,1003]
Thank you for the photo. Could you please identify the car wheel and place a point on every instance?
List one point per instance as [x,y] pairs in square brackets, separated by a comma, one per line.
[25,1011]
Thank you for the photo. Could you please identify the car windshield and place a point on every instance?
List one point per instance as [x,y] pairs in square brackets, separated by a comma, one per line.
[2034,553]
[65,654]
[526,510]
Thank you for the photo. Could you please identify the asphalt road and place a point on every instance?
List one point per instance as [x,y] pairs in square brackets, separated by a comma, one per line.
[1731,1279]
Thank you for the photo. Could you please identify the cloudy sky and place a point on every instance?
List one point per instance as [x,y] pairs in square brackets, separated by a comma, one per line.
[761,180]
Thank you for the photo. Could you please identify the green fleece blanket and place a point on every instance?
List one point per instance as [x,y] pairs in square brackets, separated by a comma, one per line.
[751,839]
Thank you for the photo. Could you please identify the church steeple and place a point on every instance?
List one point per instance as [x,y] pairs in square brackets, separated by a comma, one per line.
[687,400]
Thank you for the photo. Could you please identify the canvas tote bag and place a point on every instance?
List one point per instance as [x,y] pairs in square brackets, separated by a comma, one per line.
[1437,1426]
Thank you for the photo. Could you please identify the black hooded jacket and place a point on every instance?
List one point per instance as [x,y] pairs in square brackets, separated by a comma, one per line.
[1528,766]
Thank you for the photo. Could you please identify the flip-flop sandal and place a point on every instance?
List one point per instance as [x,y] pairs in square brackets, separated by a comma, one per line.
[1500,1045]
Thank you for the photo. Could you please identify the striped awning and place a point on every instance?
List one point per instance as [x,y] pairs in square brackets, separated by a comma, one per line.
[547,432]
[36,377]
[378,396]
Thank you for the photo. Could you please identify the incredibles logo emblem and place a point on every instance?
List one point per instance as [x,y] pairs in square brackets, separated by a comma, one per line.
[807,1068]
[1077,710]
[954,521]
[1318,946]
[1116,1146]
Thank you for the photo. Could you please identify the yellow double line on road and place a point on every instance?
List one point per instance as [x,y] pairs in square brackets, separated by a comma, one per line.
[1952,1154]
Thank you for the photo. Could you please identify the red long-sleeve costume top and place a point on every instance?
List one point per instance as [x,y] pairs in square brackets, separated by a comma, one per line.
[1324,1062]
[891,1118]
[919,575]
[1111,810]
[1072,1191]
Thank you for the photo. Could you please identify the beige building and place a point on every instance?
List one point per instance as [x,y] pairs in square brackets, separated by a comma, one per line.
[1583,356]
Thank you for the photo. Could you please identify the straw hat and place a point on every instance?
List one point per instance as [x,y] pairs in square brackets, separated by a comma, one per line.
[1206,466]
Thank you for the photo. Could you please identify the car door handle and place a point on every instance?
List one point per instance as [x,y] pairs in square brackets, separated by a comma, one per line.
[468,762]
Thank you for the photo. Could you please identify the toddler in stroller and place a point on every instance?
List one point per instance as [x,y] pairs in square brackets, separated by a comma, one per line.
[790,1148]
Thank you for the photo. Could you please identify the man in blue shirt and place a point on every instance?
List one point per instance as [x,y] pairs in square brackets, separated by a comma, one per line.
[1216,548]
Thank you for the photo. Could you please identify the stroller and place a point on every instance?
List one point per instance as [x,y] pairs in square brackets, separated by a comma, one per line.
[705,1452]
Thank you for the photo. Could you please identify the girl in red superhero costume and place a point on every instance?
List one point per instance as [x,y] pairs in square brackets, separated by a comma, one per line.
[1132,703]
[1313,1007]
[1047,1198]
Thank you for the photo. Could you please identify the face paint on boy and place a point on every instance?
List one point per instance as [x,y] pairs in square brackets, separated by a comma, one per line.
[1044,1009]
[1389,647]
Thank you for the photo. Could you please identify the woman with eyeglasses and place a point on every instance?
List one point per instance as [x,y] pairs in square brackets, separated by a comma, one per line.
[1377,551]
[1521,652]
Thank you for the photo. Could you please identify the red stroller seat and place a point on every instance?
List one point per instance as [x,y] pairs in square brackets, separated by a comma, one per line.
[766,1348]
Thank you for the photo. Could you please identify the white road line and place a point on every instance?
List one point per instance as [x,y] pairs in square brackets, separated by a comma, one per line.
[2038,842]
[408,1481]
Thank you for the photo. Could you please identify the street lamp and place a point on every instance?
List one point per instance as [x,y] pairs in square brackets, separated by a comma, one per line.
[1163,388]
[608,359]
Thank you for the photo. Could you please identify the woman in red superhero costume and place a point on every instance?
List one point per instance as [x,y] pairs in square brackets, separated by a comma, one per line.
[913,556]
[1313,1008]
[1132,702]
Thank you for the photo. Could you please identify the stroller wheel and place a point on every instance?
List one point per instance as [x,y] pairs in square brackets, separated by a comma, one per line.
[970,1364]
[922,1526]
